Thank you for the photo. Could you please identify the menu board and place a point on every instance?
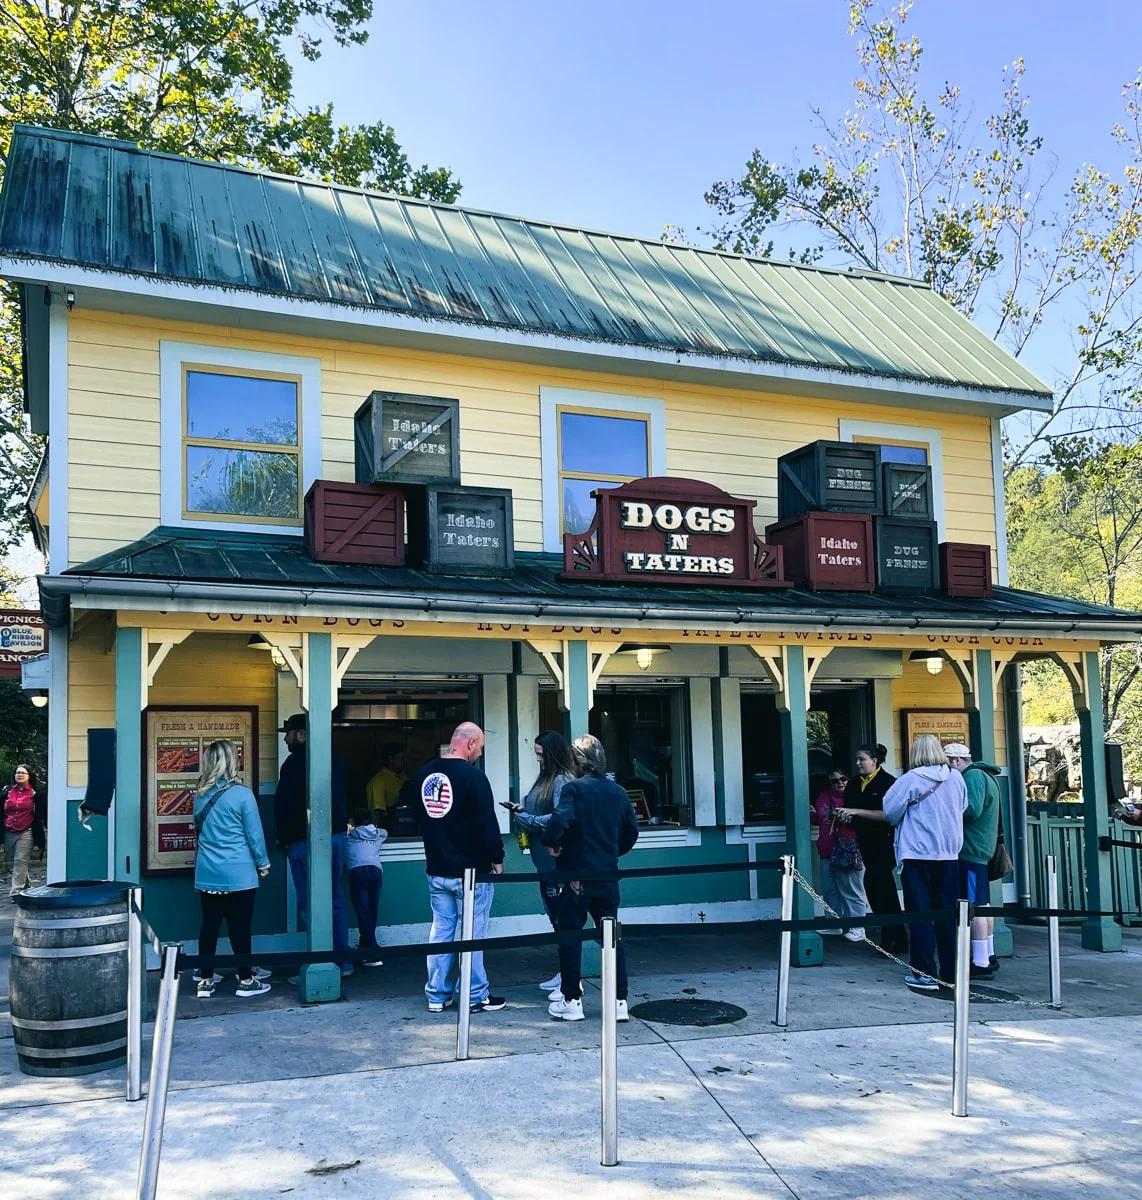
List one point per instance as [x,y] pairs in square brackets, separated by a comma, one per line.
[948,724]
[174,740]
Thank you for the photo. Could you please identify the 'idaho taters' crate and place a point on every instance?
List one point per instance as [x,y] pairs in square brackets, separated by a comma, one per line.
[906,556]
[827,552]
[907,491]
[462,530]
[965,569]
[829,477]
[401,438]
[355,523]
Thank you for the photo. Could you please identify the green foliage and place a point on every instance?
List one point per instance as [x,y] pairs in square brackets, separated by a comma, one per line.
[23,733]
[209,78]
[908,182]
[1075,529]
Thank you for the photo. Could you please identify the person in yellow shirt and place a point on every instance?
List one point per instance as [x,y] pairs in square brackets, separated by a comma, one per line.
[383,790]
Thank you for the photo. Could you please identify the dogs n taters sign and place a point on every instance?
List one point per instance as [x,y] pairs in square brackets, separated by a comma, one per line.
[678,531]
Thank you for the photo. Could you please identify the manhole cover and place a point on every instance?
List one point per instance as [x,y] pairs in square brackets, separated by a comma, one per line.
[688,1012]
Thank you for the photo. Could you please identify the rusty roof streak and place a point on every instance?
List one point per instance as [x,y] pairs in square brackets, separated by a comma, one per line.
[106,205]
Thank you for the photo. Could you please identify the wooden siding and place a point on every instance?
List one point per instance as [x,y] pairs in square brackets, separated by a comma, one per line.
[917,689]
[208,669]
[730,437]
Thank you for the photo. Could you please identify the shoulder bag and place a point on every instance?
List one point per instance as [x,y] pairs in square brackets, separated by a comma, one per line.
[200,818]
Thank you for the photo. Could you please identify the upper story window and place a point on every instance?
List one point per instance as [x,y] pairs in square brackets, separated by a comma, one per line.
[597,450]
[917,445]
[901,453]
[242,440]
[593,440]
[240,434]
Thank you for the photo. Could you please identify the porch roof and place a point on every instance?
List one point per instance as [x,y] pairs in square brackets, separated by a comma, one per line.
[173,565]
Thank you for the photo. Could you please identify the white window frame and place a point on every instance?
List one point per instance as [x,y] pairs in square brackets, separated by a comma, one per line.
[605,404]
[925,435]
[173,356]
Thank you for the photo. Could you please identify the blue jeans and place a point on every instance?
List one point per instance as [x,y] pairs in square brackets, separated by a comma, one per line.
[296,854]
[929,884]
[365,894]
[446,897]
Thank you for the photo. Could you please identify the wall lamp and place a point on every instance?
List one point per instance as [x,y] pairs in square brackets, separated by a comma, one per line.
[932,659]
[643,656]
[257,642]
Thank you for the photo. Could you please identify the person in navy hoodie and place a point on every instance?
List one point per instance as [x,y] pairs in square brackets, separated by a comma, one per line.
[457,817]
[363,854]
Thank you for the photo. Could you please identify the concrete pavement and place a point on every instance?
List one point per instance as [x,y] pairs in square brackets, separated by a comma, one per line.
[361,1098]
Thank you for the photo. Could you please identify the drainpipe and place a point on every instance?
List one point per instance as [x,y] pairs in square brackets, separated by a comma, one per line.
[1017,781]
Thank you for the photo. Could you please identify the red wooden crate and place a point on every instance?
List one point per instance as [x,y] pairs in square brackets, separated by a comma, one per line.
[828,552]
[355,523]
[965,569]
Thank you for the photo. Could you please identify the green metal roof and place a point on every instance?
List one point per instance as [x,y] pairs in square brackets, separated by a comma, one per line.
[107,205]
[187,563]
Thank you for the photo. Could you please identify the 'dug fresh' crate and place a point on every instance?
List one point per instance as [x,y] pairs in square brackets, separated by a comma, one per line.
[906,556]
[829,477]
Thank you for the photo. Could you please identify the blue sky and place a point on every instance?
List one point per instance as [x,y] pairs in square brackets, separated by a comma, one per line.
[620,115]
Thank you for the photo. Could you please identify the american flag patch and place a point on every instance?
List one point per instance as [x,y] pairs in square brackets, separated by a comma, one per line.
[436,794]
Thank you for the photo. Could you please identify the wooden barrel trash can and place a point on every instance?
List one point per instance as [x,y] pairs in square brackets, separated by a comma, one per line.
[67,979]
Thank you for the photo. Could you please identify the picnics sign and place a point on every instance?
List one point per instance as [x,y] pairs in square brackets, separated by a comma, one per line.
[22,636]
[662,530]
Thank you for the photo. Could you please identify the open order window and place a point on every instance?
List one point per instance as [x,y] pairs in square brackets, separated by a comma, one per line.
[593,440]
[240,435]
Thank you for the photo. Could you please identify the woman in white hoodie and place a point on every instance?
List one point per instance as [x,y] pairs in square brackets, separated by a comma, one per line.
[926,806]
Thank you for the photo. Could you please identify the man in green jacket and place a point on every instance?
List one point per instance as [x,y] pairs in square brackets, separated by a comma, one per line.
[981,832]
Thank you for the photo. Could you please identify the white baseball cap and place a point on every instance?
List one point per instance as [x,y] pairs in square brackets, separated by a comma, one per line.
[957,750]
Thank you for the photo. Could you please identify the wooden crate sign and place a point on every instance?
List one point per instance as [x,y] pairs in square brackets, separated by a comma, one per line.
[679,531]
[965,569]
[400,438]
[906,555]
[829,477]
[355,523]
[462,530]
[827,552]
[907,491]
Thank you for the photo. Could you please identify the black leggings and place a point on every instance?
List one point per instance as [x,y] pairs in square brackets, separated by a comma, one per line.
[237,910]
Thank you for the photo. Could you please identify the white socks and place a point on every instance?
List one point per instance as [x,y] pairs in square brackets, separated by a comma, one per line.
[990,945]
[979,953]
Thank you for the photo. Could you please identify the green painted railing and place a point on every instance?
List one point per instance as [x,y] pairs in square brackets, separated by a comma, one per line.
[1064,837]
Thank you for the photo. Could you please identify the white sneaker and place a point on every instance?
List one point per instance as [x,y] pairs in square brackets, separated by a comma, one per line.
[251,987]
[566,1010]
[556,993]
[855,935]
[261,973]
[829,932]
[206,987]
[552,984]
[622,1013]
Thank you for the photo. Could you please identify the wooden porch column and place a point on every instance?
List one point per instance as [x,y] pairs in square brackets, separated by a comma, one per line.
[319,981]
[577,690]
[130,699]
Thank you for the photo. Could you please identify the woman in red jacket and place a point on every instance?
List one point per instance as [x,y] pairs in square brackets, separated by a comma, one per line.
[19,812]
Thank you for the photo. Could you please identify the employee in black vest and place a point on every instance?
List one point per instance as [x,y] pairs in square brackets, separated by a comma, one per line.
[457,818]
[864,807]
[592,826]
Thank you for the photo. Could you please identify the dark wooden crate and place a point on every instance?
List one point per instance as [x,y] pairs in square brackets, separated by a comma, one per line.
[461,530]
[906,555]
[355,523]
[907,491]
[402,438]
[827,552]
[965,569]
[829,477]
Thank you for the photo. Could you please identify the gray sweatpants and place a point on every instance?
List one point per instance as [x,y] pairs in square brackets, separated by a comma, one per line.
[843,889]
[18,848]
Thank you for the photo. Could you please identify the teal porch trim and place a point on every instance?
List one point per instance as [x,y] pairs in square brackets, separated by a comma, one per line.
[128,806]
[319,981]
[576,690]
[808,949]
[1098,933]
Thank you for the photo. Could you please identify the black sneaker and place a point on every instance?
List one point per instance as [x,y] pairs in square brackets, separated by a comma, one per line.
[993,963]
[490,1004]
[981,972]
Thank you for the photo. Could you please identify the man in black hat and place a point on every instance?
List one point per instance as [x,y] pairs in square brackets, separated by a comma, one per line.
[290,809]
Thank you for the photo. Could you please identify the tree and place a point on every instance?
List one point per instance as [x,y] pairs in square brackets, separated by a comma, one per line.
[209,78]
[1076,530]
[906,183]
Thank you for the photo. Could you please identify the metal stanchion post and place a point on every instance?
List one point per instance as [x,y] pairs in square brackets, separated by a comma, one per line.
[610,1045]
[1053,954]
[160,1077]
[787,885]
[960,1028]
[464,1001]
[136,973]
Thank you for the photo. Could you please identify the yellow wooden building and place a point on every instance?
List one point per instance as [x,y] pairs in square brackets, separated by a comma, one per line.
[199,341]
